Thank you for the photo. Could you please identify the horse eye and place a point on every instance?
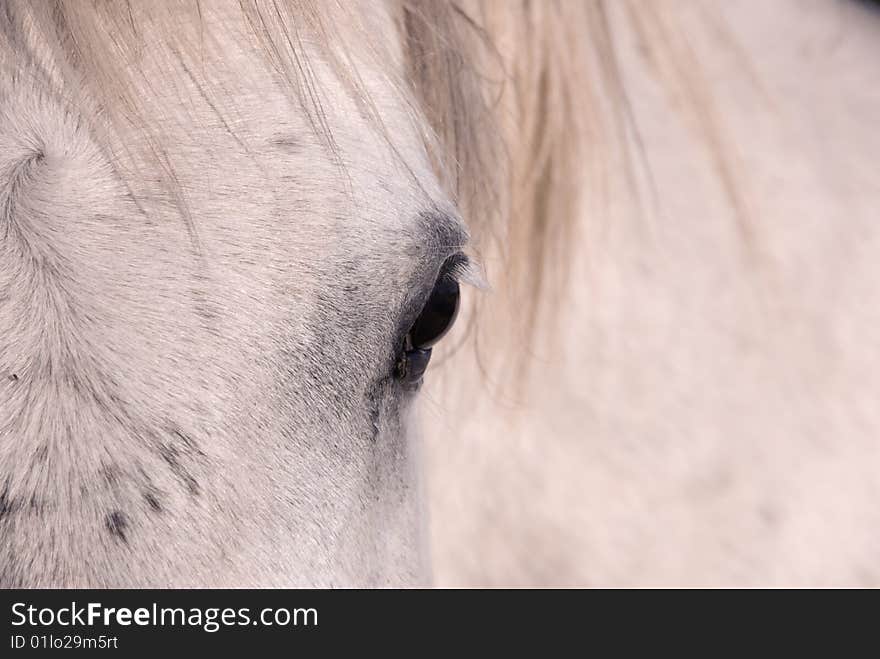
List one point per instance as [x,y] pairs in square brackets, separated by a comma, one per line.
[438,315]
[434,321]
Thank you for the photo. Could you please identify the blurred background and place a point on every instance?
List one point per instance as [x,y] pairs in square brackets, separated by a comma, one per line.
[697,401]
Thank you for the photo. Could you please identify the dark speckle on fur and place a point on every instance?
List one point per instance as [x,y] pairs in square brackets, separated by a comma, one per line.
[153,502]
[7,505]
[13,377]
[170,455]
[117,524]
[286,142]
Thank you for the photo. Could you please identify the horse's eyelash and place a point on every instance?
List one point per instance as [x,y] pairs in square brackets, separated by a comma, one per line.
[465,270]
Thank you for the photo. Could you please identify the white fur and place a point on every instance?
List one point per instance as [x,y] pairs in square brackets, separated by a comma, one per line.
[212,404]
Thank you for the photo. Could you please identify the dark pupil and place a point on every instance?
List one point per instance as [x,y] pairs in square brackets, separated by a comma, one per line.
[438,315]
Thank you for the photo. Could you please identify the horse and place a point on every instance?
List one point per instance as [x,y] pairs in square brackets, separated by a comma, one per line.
[238,345]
